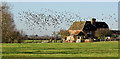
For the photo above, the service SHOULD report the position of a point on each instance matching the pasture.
(93, 49)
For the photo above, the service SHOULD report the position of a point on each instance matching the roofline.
(83, 26)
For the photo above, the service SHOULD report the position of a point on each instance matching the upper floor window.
(89, 32)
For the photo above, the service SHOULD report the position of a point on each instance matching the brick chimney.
(93, 21)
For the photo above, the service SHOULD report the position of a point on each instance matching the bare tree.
(0, 24)
(55, 36)
(63, 33)
(102, 32)
(9, 34)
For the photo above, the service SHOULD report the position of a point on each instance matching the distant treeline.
(42, 38)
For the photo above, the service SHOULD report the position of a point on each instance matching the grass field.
(94, 49)
(37, 41)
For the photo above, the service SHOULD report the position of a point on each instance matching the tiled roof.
(78, 25)
(101, 25)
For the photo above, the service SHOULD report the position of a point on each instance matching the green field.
(37, 41)
(94, 49)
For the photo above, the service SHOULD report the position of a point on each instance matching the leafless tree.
(102, 32)
(9, 33)
(63, 33)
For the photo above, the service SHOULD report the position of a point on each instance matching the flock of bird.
(110, 17)
(49, 18)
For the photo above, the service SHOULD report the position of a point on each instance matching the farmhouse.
(80, 29)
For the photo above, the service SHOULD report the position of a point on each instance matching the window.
(89, 32)
(78, 37)
(65, 38)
